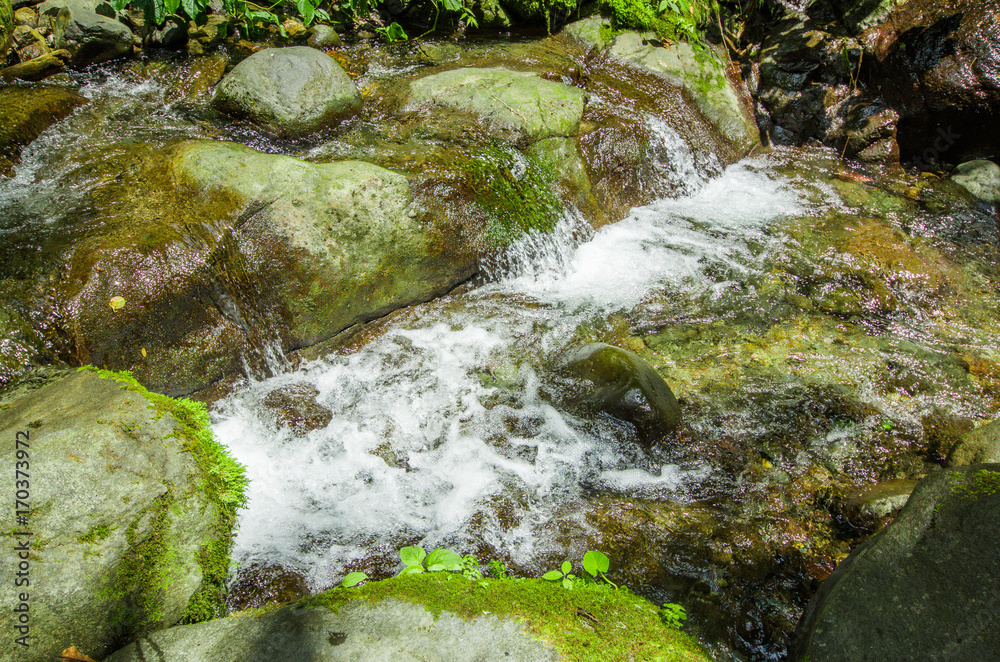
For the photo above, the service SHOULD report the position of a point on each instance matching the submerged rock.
(293, 91)
(620, 383)
(295, 406)
(925, 587)
(129, 528)
(538, 107)
(27, 111)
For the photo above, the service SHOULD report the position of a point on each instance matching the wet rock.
(196, 78)
(980, 178)
(937, 66)
(110, 564)
(26, 112)
(703, 78)
(271, 254)
(521, 100)
(89, 36)
(872, 507)
(389, 630)
(258, 585)
(619, 383)
(26, 16)
(323, 37)
(293, 91)
(28, 44)
(562, 156)
(39, 68)
(172, 34)
(925, 587)
(980, 445)
(295, 406)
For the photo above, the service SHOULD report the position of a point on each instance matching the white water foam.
(440, 434)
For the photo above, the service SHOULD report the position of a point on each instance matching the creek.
(825, 329)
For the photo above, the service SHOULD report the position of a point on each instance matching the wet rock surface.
(982, 445)
(925, 587)
(293, 91)
(26, 112)
(100, 572)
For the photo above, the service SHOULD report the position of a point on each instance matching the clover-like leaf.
(354, 578)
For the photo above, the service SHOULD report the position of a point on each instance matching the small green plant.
(393, 32)
(562, 574)
(498, 570)
(353, 579)
(673, 614)
(417, 560)
(470, 568)
(597, 564)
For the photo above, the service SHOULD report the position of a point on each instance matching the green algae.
(591, 622)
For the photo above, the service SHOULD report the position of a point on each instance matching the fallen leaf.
(143, 352)
(72, 653)
(117, 303)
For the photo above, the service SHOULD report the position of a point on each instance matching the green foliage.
(673, 615)
(596, 564)
(353, 579)
(497, 569)
(393, 32)
(470, 568)
(671, 20)
(417, 560)
(563, 574)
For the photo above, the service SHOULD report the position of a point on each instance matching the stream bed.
(826, 328)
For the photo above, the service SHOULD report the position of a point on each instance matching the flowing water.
(821, 334)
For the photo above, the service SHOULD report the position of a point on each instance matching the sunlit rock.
(980, 178)
(129, 526)
(27, 111)
(293, 91)
(980, 445)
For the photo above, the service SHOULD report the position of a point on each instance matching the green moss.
(146, 569)
(96, 534)
(559, 10)
(679, 20)
(515, 192)
(983, 483)
(624, 626)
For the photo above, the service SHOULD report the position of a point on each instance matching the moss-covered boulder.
(293, 91)
(88, 35)
(925, 587)
(440, 616)
(701, 73)
(980, 445)
(128, 507)
(236, 255)
(521, 100)
(27, 111)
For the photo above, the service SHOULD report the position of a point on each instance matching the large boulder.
(292, 91)
(128, 507)
(27, 111)
(86, 31)
(938, 65)
(702, 76)
(980, 178)
(521, 100)
(241, 255)
(924, 588)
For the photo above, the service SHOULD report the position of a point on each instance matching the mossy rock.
(438, 616)
(132, 507)
(27, 111)
(6, 27)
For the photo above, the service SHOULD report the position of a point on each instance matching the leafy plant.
(470, 568)
(353, 579)
(417, 560)
(597, 564)
(562, 574)
(498, 569)
(393, 32)
(673, 614)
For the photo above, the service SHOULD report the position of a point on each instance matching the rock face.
(253, 254)
(924, 588)
(623, 385)
(937, 65)
(123, 530)
(980, 445)
(6, 27)
(89, 36)
(538, 107)
(293, 91)
(390, 630)
(26, 112)
(980, 178)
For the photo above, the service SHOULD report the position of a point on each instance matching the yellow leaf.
(143, 352)
(117, 303)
